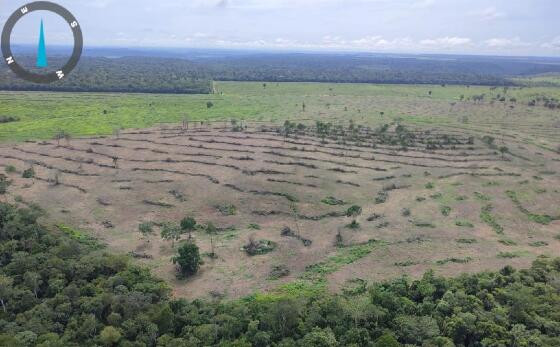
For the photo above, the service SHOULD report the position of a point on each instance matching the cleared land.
(435, 189)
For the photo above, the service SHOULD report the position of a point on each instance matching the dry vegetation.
(452, 196)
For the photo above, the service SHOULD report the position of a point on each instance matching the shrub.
(11, 169)
(260, 247)
(278, 271)
(445, 210)
(331, 200)
(430, 185)
(188, 260)
(28, 173)
(146, 229)
(467, 241)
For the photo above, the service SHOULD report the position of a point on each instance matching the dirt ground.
(432, 217)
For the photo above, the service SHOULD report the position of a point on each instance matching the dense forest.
(128, 74)
(64, 289)
(191, 71)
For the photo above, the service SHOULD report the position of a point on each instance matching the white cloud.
(446, 42)
(554, 44)
(505, 43)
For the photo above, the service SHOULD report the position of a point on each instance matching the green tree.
(386, 340)
(171, 232)
(319, 338)
(109, 336)
(188, 225)
(188, 259)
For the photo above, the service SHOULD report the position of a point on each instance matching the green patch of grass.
(345, 256)
(254, 226)
(79, 236)
(461, 198)
(429, 185)
(481, 196)
(464, 224)
(487, 217)
(420, 198)
(227, 209)
(537, 218)
(509, 255)
(557, 237)
(538, 244)
(507, 242)
(11, 169)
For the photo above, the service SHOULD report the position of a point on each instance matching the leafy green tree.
(386, 340)
(188, 259)
(188, 225)
(171, 232)
(109, 336)
(319, 338)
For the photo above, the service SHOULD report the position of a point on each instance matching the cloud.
(489, 13)
(554, 44)
(446, 42)
(504, 43)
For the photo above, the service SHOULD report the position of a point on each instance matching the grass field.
(436, 186)
(84, 114)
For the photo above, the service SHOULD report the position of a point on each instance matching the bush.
(11, 169)
(188, 260)
(28, 173)
(259, 247)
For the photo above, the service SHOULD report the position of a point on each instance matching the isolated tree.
(503, 150)
(353, 212)
(188, 225)
(303, 106)
(209, 104)
(188, 259)
(171, 232)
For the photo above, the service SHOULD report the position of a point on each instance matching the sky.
(497, 27)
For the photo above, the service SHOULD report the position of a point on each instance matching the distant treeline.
(194, 71)
(128, 74)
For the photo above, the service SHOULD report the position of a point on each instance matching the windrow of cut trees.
(58, 290)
